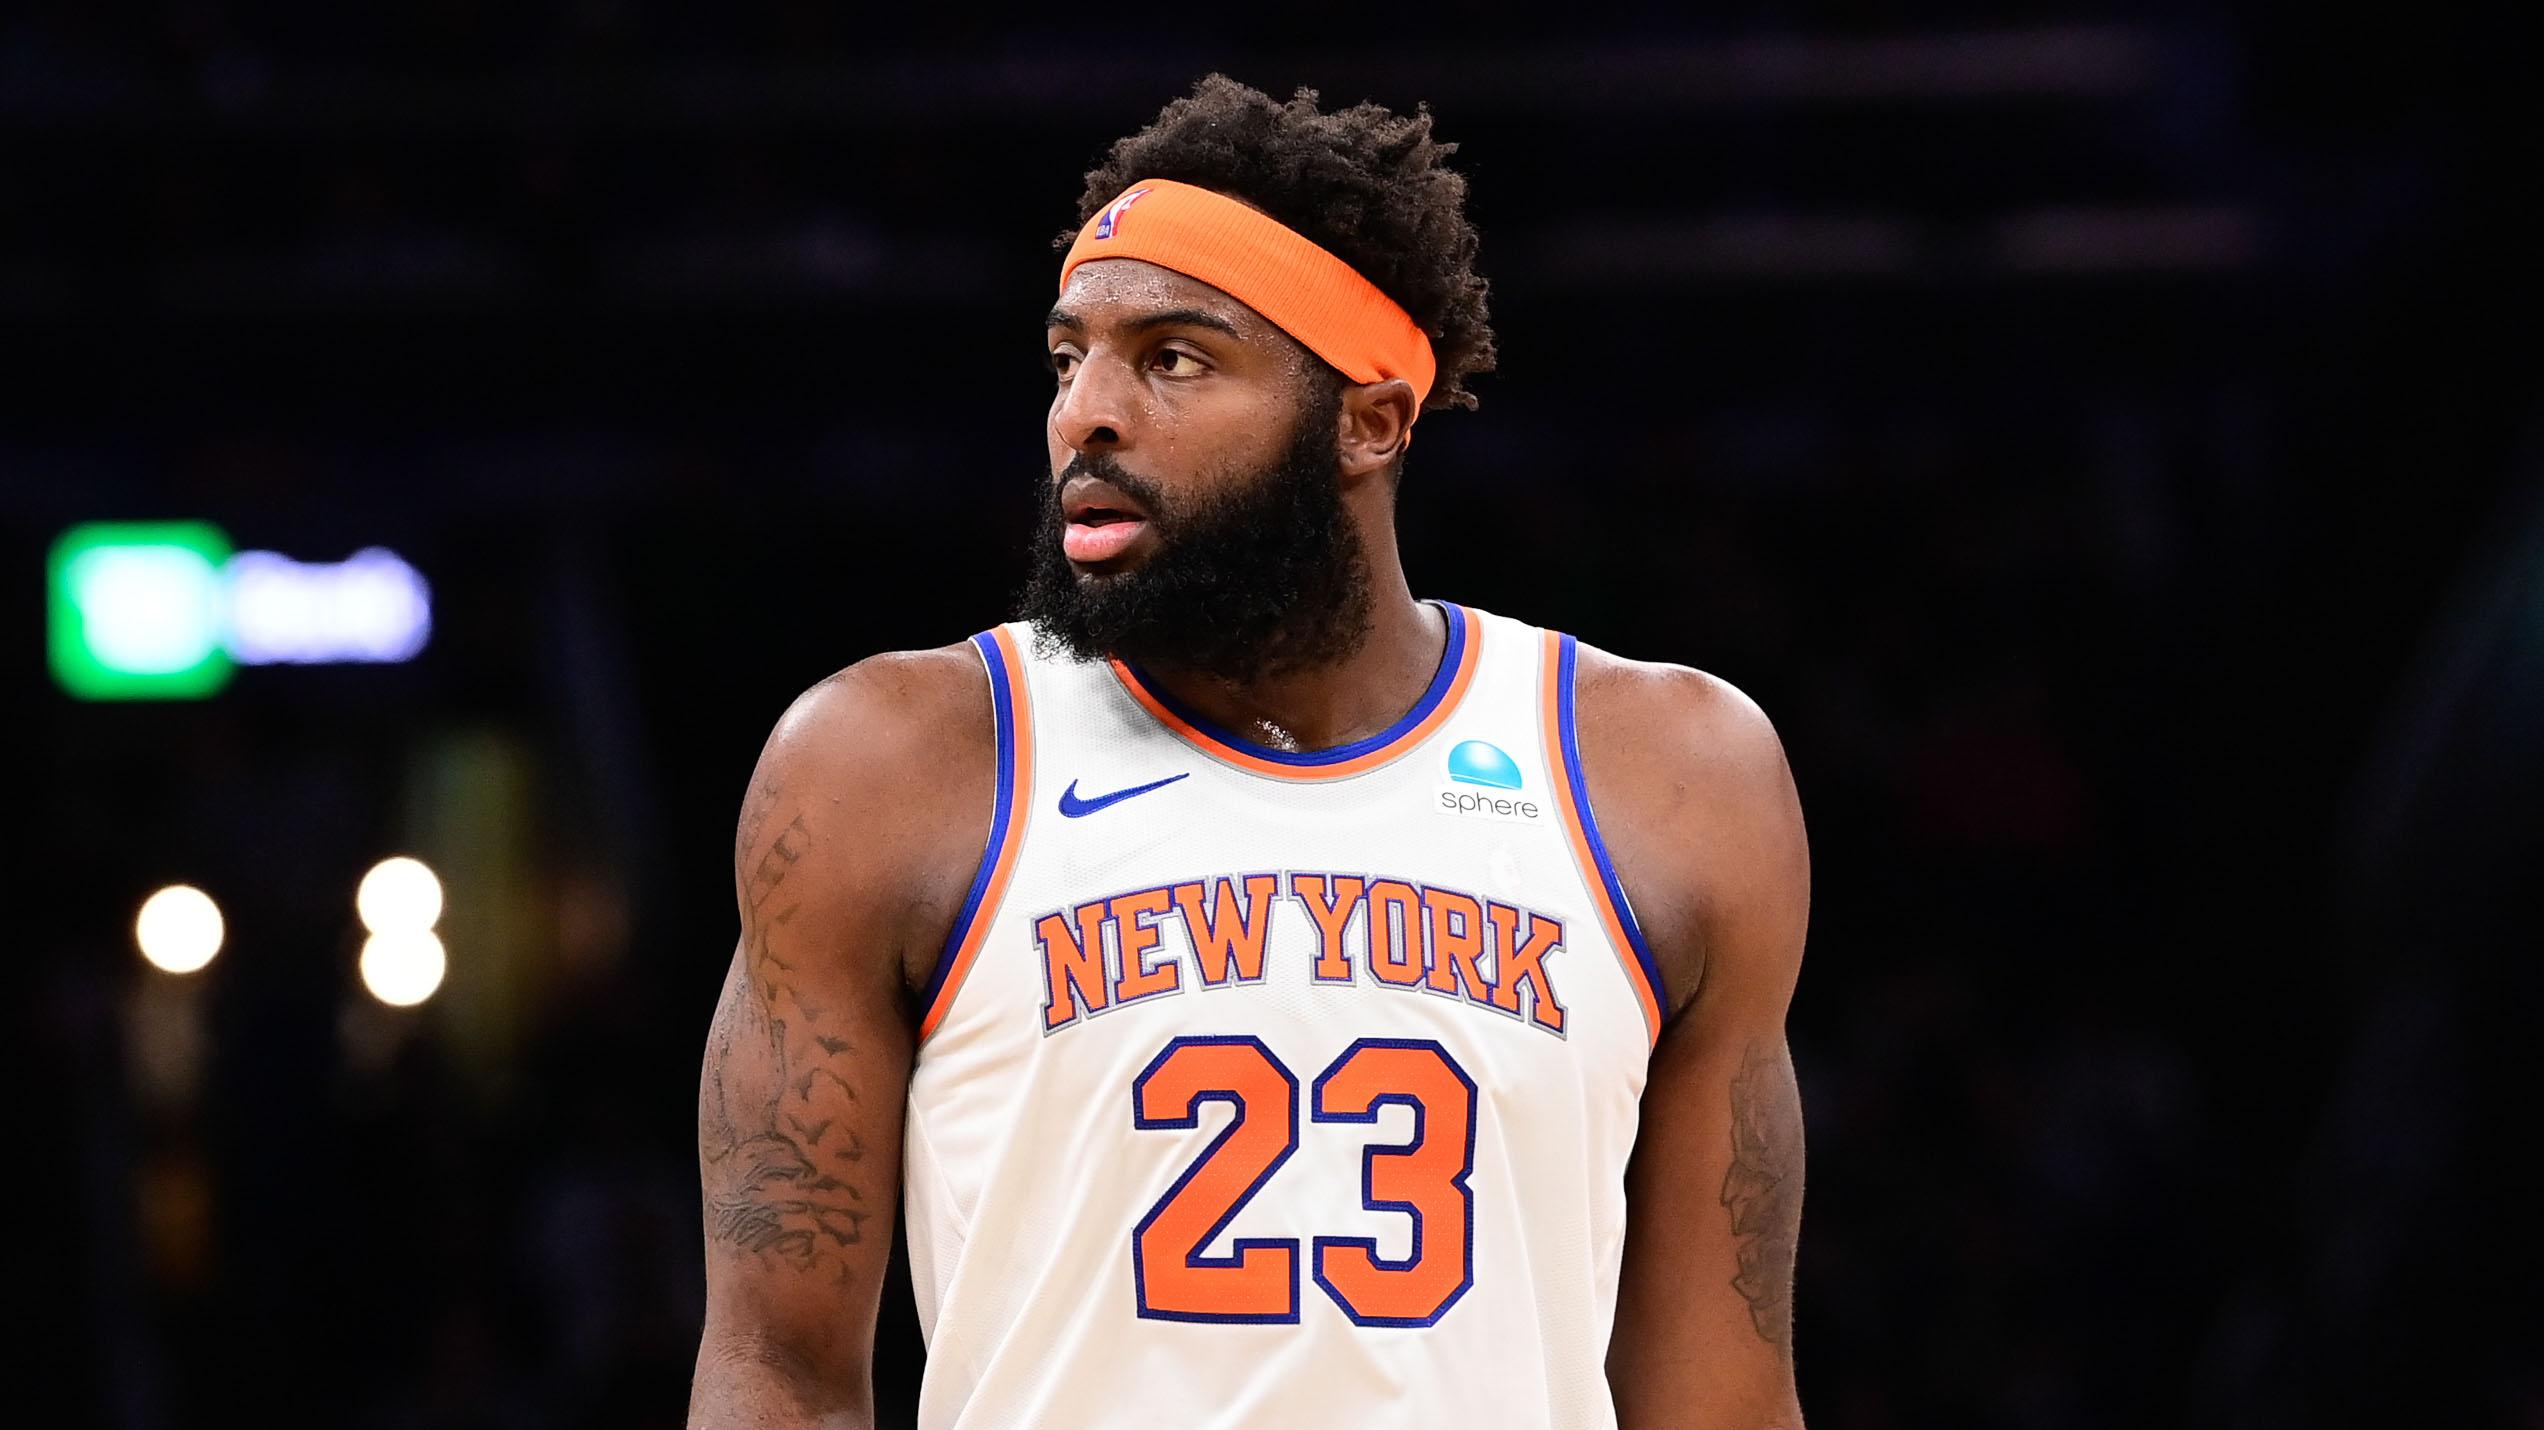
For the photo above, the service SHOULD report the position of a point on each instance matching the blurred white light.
(179, 929)
(371, 607)
(149, 608)
(403, 966)
(399, 895)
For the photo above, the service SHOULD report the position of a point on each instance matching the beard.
(1263, 577)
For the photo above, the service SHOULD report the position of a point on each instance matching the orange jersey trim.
(999, 862)
(1428, 714)
(1575, 804)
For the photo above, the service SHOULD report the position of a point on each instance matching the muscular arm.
(845, 862)
(1691, 786)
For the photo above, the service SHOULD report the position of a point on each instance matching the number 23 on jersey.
(1257, 1281)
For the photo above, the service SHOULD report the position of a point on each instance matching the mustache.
(1102, 467)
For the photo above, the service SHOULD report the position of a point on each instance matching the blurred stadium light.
(370, 607)
(178, 929)
(403, 967)
(399, 895)
(399, 901)
(164, 610)
(136, 610)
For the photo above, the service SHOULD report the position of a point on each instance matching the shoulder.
(872, 796)
(889, 708)
(899, 727)
(1696, 803)
(1675, 723)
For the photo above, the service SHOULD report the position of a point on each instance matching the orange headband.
(1298, 287)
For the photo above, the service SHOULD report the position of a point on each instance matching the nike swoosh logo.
(1072, 807)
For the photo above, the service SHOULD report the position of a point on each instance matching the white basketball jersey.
(1259, 1088)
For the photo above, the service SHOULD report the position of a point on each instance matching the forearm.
(796, 1166)
(753, 1381)
(1704, 1331)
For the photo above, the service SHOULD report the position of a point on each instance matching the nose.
(1091, 414)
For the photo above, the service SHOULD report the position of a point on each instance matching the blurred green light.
(136, 610)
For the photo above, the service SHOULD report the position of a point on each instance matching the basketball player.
(1278, 1001)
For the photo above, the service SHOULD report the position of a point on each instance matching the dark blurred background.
(2105, 439)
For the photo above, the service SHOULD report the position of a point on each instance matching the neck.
(1329, 705)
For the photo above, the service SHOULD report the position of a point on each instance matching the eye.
(1176, 362)
(1062, 362)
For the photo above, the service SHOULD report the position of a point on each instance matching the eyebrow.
(1169, 318)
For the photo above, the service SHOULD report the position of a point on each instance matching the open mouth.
(1102, 520)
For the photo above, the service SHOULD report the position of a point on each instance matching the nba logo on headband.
(1113, 212)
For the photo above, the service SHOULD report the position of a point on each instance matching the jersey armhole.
(1012, 715)
(1581, 828)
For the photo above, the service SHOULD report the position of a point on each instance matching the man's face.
(1193, 515)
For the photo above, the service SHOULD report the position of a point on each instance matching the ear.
(1377, 426)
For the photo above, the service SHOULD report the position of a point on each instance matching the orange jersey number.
(1256, 1282)
(1424, 1178)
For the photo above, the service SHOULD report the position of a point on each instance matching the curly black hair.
(1365, 184)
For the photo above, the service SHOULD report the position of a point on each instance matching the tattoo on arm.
(775, 1166)
(775, 864)
(1763, 1189)
(757, 806)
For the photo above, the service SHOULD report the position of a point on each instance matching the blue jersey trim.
(1002, 702)
(1590, 825)
(1441, 681)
